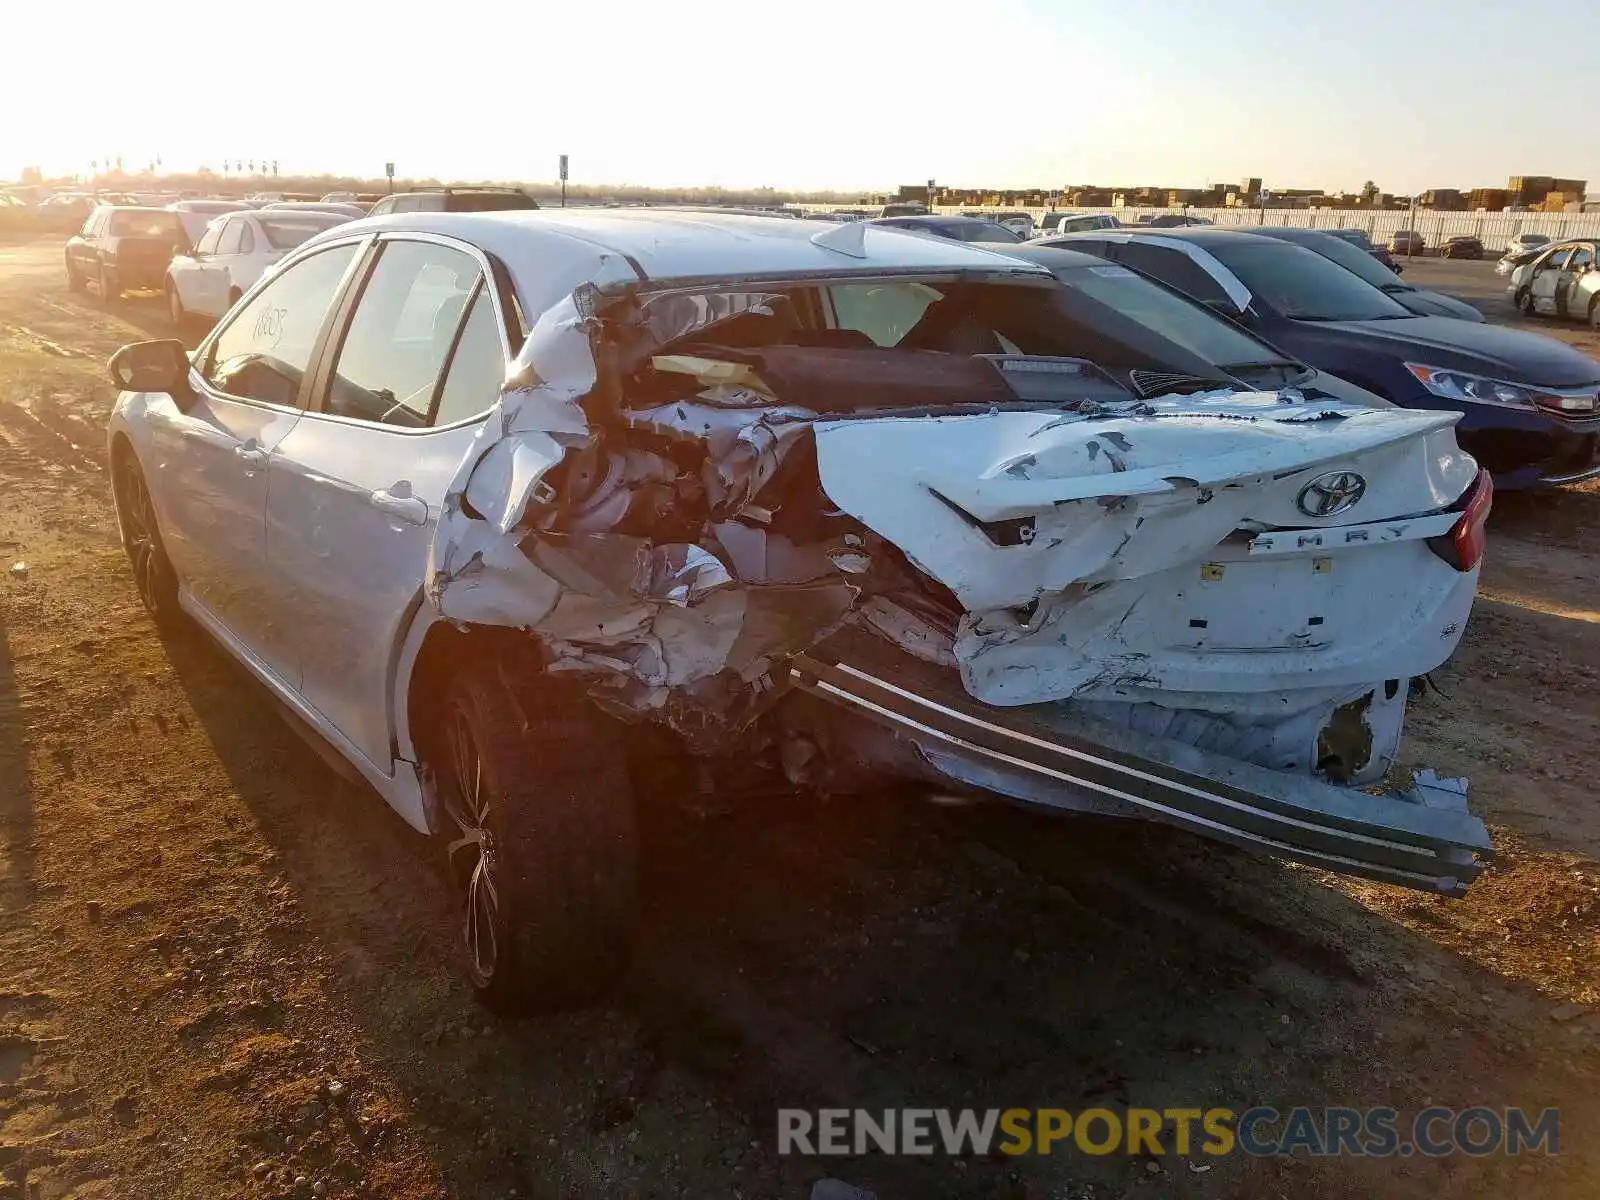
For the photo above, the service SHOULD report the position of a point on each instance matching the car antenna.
(847, 237)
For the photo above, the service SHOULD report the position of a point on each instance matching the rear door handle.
(411, 509)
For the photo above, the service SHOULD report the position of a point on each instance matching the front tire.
(153, 576)
(75, 282)
(175, 309)
(541, 840)
(110, 291)
(1525, 303)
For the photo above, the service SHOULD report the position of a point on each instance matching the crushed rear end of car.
(998, 572)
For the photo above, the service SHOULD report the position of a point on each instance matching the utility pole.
(563, 181)
(930, 195)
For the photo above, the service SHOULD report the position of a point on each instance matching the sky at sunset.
(710, 92)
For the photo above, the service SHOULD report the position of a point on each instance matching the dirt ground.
(201, 928)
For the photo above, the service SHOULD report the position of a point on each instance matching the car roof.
(664, 244)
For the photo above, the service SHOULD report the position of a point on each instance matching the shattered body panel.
(675, 529)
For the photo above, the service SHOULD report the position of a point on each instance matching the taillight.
(1463, 546)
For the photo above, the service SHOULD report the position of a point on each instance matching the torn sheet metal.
(674, 533)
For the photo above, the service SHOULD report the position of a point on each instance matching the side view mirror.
(157, 366)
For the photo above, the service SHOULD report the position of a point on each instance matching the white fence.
(1492, 228)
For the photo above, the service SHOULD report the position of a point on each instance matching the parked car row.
(204, 253)
(844, 501)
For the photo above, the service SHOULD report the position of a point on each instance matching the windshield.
(1355, 260)
(285, 233)
(1302, 285)
(145, 224)
(1193, 326)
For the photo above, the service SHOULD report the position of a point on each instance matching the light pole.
(930, 195)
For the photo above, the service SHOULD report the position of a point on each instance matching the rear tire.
(540, 836)
(75, 282)
(1594, 313)
(110, 292)
(175, 309)
(233, 296)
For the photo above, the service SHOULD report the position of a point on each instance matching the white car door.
(250, 259)
(1549, 275)
(208, 464)
(1568, 296)
(221, 290)
(188, 270)
(357, 486)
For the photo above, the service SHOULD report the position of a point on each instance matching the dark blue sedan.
(1531, 403)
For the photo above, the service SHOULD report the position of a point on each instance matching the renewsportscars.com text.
(1260, 1131)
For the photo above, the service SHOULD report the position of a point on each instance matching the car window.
(885, 312)
(1582, 257)
(210, 238)
(477, 366)
(160, 224)
(393, 355)
(382, 206)
(1301, 284)
(1556, 260)
(231, 235)
(987, 231)
(286, 232)
(1152, 306)
(1353, 259)
(1172, 267)
(489, 202)
(247, 239)
(1094, 246)
(265, 346)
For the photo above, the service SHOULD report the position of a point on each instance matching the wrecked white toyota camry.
(491, 501)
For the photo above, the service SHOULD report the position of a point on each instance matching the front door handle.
(252, 455)
(408, 508)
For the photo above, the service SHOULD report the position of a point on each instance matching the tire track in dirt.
(37, 434)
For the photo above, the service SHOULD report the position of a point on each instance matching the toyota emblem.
(1331, 494)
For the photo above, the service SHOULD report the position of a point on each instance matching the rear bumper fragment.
(1423, 839)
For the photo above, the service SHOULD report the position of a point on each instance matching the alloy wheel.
(467, 801)
(139, 535)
